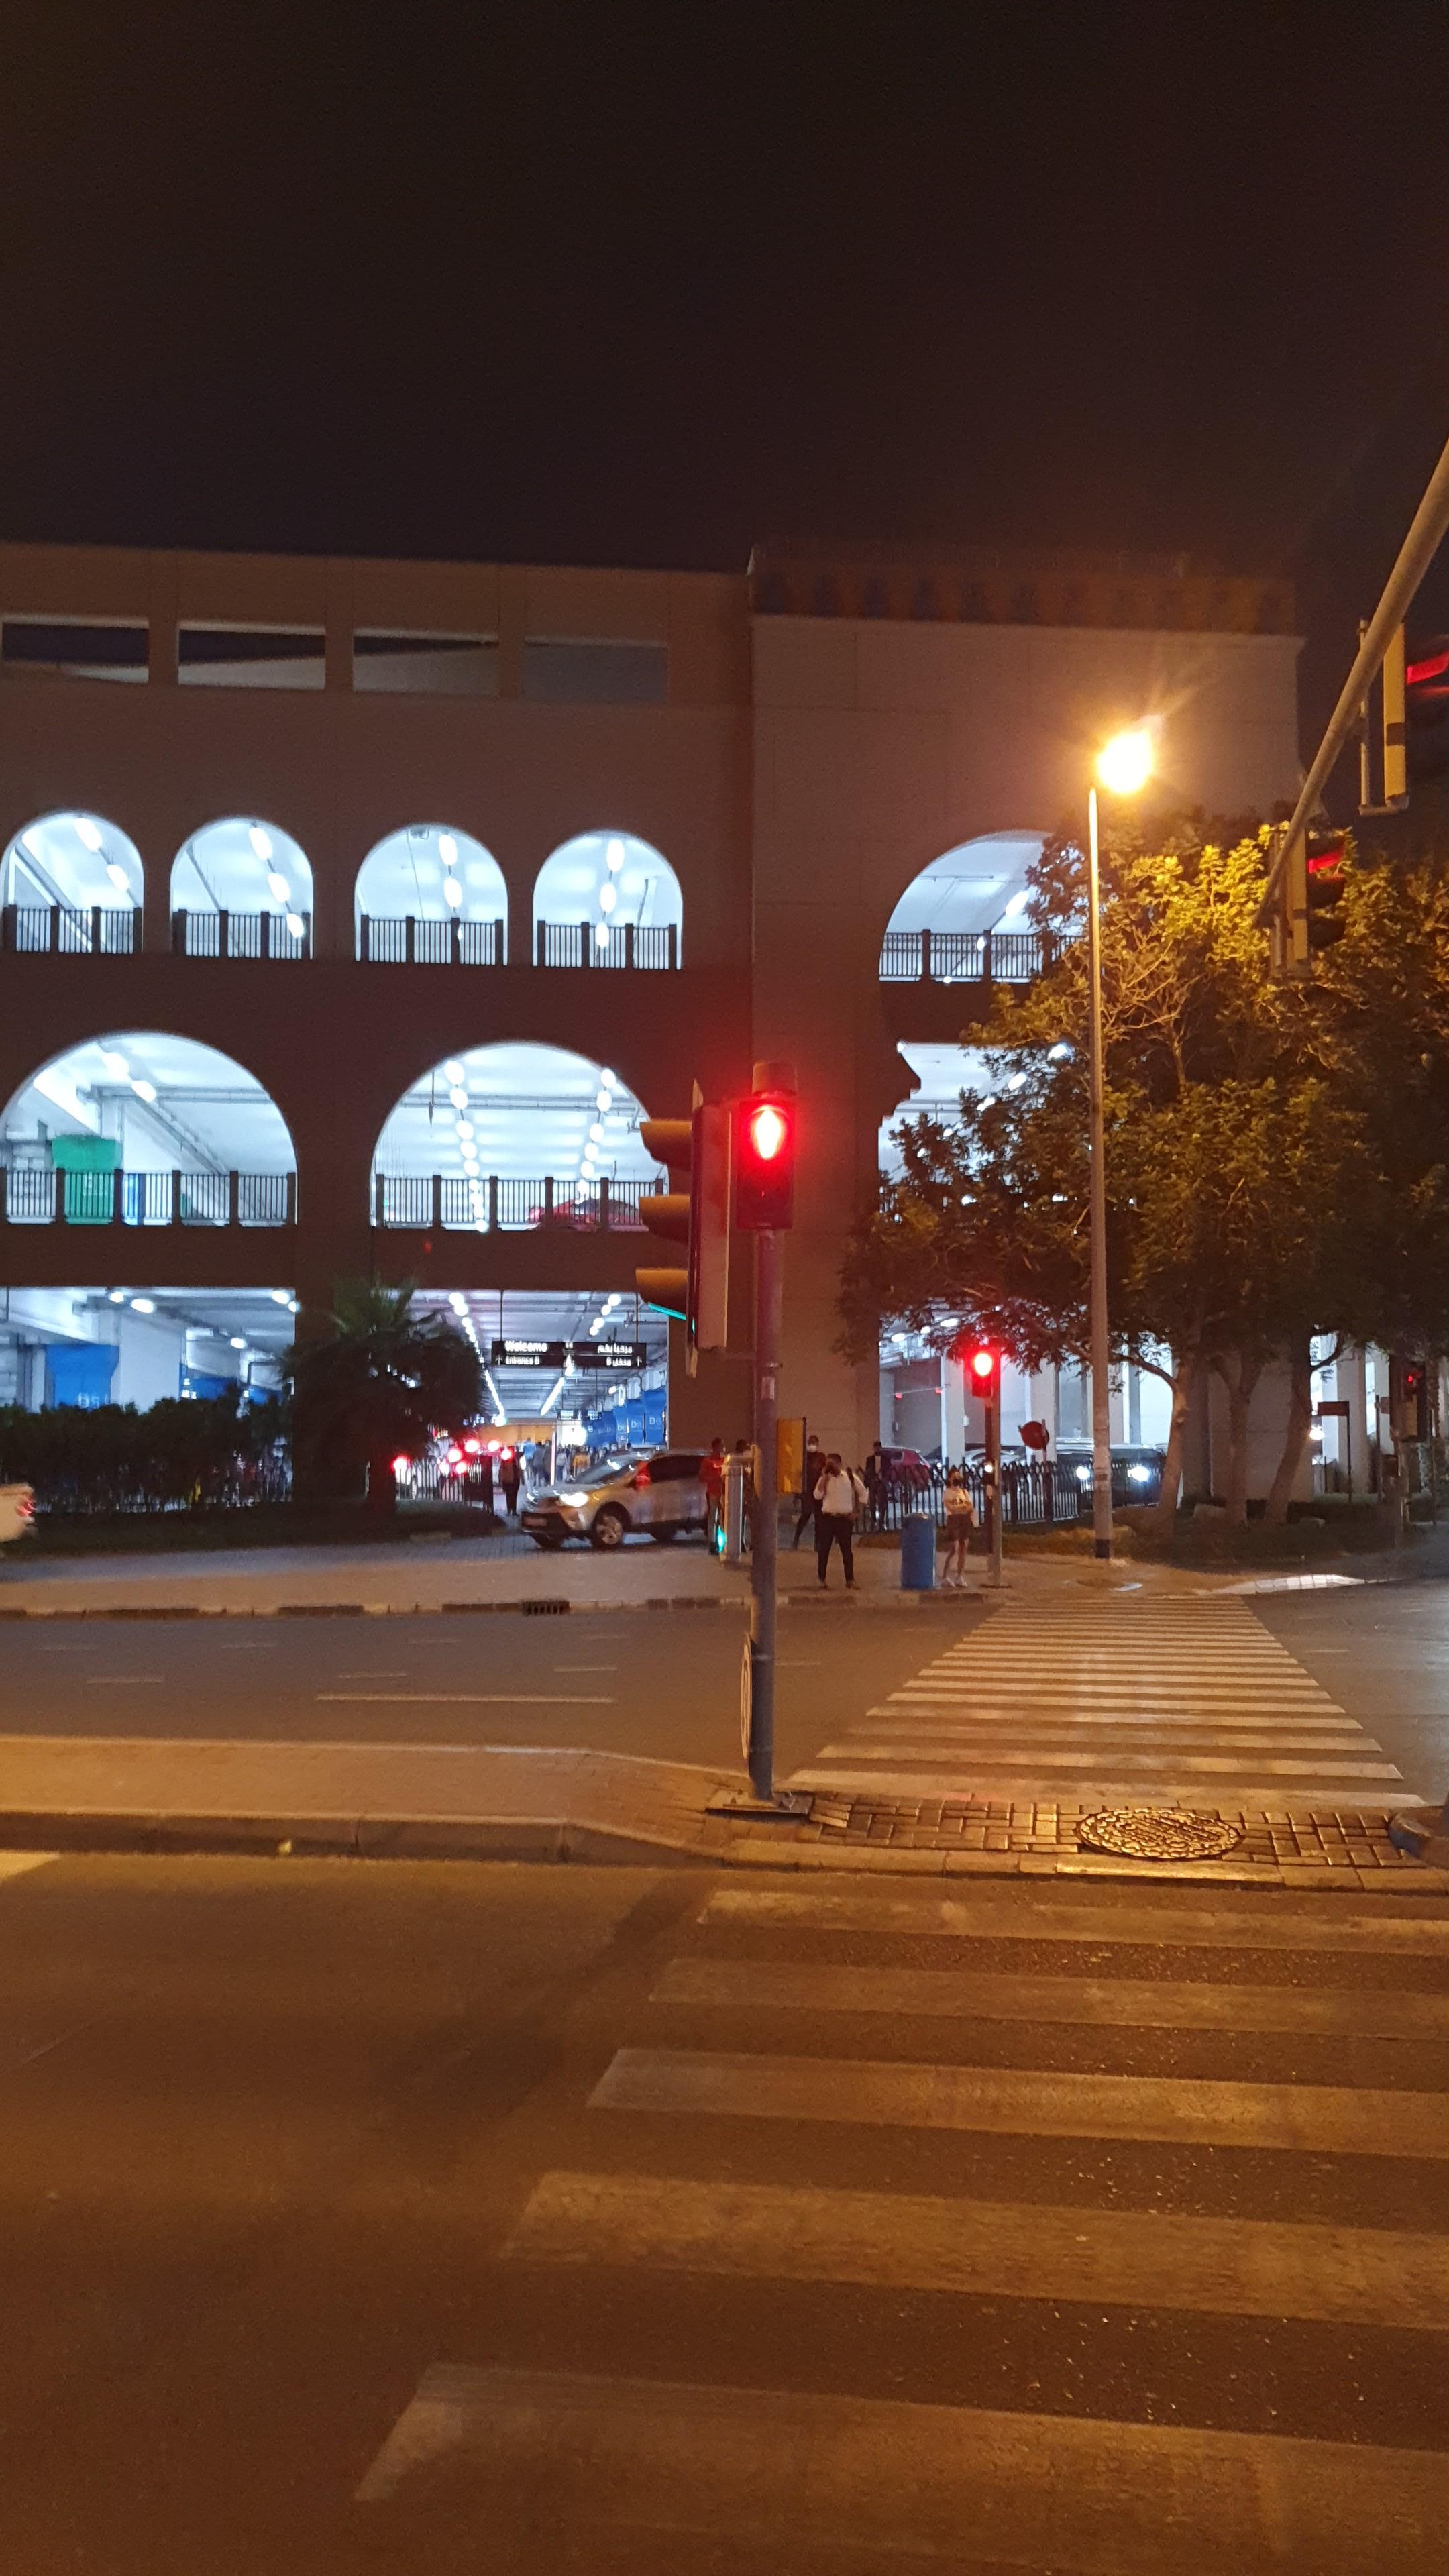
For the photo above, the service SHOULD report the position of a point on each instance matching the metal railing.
(1035, 1494)
(32, 1194)
(442, 1202)
(964, 956)
(70, 930)
(239, 934)
(412, 942)
(577, 943)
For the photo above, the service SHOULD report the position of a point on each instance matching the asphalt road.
(661, 1683)
(450, 2218)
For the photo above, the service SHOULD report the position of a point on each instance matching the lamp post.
(1124, 765)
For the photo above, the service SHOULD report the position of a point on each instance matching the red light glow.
(472, 1448)
(983, 1363)
(401, 1465)
(1433, 667)
(769, 1132)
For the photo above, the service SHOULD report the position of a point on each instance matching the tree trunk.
(1183, 1382)
(1295, 1440)
(1240, 1376)
(381, 1482)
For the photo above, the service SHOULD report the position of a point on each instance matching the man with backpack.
(839, 1495)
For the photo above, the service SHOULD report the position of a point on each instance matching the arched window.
(607, 899)
(431, 895)
(511, 1136)
(141, 1128)
(940, 928)
(241, 888)
(71, 883)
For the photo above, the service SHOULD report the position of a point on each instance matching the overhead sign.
(526, 1354)
(625, 1358)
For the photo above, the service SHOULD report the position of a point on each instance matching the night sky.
(623, 285)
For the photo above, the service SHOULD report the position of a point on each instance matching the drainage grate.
(1157, 1833)
(543, 1609)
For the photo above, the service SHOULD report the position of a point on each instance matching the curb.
(1423, 1833)
(536, 1607)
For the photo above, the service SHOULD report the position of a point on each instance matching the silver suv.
(661, 1495)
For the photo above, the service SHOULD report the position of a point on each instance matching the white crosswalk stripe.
(1098, 1698)
(854, 2475)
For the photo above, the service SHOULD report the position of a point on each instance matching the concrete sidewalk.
(434, 1574)
(495, 1802)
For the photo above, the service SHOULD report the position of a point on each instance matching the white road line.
(1112, 2003)
(993, 1720)
(1351, 2276)
(986, 1779)
(1176, 1757)
(1280, 1923)
(114, 1681)
(761, 2469)
(1301, 2119)
(15, 1864)
(461, 1699)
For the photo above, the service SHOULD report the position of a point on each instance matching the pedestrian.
(839, 1496)
(510, 1476)
(484, 1485)
(877, 1485)
(810, 1475)
(960, 1522)
(711, 1476)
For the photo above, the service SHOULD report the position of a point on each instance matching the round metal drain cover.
(1157, 1833)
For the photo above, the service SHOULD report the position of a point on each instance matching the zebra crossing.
(1128, 1698)
(1025, 2263)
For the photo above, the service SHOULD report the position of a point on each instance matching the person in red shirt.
(711, 1476)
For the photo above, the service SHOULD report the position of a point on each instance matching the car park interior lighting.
(261, 841)
(608, 897)
(86, 832)
(143, 1090)
(601, 935)
(277, 886)
(458, 1096)
(453, 1069)
(295, 924)
(115, 1064)
(118, 876)
(144, 1305)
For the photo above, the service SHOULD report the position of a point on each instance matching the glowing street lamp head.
(1125, 763)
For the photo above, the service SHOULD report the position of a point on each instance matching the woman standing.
(960, 1522)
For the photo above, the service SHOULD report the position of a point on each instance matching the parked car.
(17, 1512)
(660, 1495)
(907, 1469)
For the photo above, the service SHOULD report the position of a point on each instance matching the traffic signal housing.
(982, 1364)
(764, 1161)
(697, 1150)
(1312, 881)
(1408, 1399)
(1426, 708)
(1383, 740)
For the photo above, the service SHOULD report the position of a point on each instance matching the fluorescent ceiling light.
(238, 1341)
(277, 886)
(86, 832)
(295, 924)
(601, 935)
(447, 848)
(144, 1090)
(261, 841)
(118, 876)
(144, 1305)
(453, 1069)
(608, 897)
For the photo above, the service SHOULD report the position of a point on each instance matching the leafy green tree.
(379, 1382)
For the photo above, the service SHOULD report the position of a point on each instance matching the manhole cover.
(1157, 1833)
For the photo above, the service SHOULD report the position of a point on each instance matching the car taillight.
(26, 1507)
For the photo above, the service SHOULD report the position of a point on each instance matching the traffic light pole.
(993, 1484)
(769, 1332)
(1101, 1343)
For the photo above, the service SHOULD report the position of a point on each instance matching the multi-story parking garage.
(355, 912)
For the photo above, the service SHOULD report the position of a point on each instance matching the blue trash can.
(918, 1553)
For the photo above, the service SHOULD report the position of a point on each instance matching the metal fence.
(1034, 1493)
(70, 930)
(32, 1194)
(433, 1202)
(578, 943)
(963, 956)
(240, 934)
(412, 942)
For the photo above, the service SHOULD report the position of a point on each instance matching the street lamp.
(1123, 766)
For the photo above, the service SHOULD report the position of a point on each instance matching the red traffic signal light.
(764, 1162)
(982, 1361)
(1325, 869)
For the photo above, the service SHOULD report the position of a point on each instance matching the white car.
(17, 1512)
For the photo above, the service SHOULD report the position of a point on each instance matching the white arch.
(72, 858)
(241, 864)
(608, 880)
(979, 885)
(167, 1104)
(431, 872)
(520, 1113)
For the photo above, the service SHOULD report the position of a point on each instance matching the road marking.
(778, 2471)
(1115, 2003)
(1327, 1787)
(111, 1681)
(15, 1864)
(460, 1699)
(1180, 1757)
(990, 1719)
(368, 1674)
(586, 1668)
(1278, 1922)
(1354, 2276)
(1309, 2119)
(87, 1646)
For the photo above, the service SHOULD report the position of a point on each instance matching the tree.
(1242, 1187)
(381, 1382)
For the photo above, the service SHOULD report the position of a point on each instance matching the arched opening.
(607, 899)
(960, 921)
(513, 1136)
(241, 888)
(431, 896)
(142, 1128)
(71, 883)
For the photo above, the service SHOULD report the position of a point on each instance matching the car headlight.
(573, 1502)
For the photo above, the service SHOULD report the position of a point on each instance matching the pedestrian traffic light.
(983, 1371)
(696, 1148)
(1382, 756)
(1408, 1399)
(764, 1161)
(1426, 708)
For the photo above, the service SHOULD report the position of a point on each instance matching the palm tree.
(381, 1382)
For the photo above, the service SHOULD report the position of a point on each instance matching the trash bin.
(918, 1553)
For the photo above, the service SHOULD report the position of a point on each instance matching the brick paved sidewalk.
(1277, 1839)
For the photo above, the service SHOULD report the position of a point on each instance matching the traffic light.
(1383, 775)
(696, 1148)
(1408, 1399)
(1325, 868)
(982, 1361)
(764, 1162)
(1426, 707)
